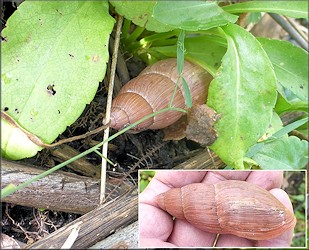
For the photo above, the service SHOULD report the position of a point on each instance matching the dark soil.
(28, 225)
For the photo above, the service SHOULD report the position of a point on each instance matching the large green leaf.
(284, 153)
(192, 15)
(297, 9)
(290, 64)
(140, 13)
(244, 93)
(53, 58)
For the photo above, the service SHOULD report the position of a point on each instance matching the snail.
(229, 207)
(152, 91)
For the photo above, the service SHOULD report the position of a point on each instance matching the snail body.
(152, 91)
(229, 207)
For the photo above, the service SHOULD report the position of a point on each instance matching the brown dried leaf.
(201, 120)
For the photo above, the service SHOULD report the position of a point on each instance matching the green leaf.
(180, 63)
(244, 93)
(192, 15)
(300, 197)
(275, 125)
(288, 128)
(142, 185)
(15, 144)
(284, 153)
(254, 18)
(187, 93)
(293, 104)
(140, 13)
(52, 62)
(291, 66)
(297, 9)
(180, 51)
(203, 50)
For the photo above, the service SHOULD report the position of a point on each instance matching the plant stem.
(109, 107)
(125, 29)
(146, 41)
(180, 62)
(289, 28)
(134, 35)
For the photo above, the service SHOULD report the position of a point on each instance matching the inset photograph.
(222, 208)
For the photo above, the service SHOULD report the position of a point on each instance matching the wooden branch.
(124, 238)
(122, 70)
(203, 160)
(60, 191)
(81, 165)
(95, 225)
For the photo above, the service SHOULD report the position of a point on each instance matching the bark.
(124, 238)
(203, 160)
(59, 191)
(81, 165)
(95, 225)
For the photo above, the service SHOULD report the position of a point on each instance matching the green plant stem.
(180, 62)
(174, 92)
(134, 35)
(126, 29)
(148, 40)
(159, 37)
(5, 192)
(44, 174)
(101, 155)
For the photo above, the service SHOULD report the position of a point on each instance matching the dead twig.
(108, 108)
(291, 30)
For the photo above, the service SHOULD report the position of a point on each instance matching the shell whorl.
(124, 111)
(152, 90)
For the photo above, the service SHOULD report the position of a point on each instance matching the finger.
(165, 180)
(285, 239)
(186, 235)
(153, 243)
(154, 223)
(213, 177)
(150, 214)
(229, 240)
(175, 179)
(266, 179)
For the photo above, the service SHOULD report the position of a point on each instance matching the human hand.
(157, 229)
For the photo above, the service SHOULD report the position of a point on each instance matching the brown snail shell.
(229, 207)
(152, 91)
